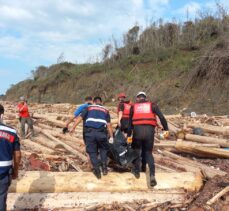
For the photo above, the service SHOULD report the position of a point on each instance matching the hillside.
(179, 66)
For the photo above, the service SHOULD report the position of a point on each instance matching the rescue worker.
(97, 126)
(78, 111)
(24, 117)
(123, 112)
(143, 122)
(10, 157)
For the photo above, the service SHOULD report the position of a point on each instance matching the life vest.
(96, 117)
(126, 111)
(143, 114)
(7, 139)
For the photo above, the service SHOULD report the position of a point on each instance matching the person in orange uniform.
(143, 122)
(24, 117)
(123, 112)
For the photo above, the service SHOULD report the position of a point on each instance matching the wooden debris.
(48, 182)
(201, 151)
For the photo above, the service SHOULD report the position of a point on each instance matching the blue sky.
(34, 33)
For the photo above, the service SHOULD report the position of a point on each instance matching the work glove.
(65, 130)
(164, 135)
(129, 140)
(111, 140)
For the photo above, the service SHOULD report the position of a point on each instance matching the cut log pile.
(56, 174)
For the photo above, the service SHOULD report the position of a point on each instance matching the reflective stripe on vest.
(126, 111)
(96, 120)
(143, 114)
(6, 163)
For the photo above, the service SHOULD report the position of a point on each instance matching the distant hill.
(180, 66)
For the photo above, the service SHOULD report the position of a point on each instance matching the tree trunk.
(56, 182)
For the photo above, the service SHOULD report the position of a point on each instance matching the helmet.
(22, 98)
(141, 93)
(121, 95)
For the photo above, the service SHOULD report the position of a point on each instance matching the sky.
(34, 33)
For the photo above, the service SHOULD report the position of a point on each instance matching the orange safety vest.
(126, 111)
(143, 114)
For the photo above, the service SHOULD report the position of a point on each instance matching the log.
(66, 146)
(205, 139)
(48, 143)
(199, 151)
(172, 144)
(55, 182)
(47, 156)
(211, 129)
(207, 170)
(32, 145)
(176, 165)
(80, 200)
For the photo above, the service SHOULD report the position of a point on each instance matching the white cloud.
(191, 9)
(44, 29)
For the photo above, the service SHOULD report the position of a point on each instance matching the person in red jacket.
(143, 122)
(123, 112)
(24, 117)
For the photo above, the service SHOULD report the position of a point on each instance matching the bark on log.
(49, 182)
(205, 139)
(199, 151)
(207, 170)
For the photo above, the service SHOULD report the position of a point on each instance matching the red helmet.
(121, 95)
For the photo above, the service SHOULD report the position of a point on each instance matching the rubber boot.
(153, 181)
(104, 169)
(97, 173)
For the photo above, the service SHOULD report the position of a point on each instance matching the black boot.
(136, 174)
(104, 169)
(97, 173)
(153, 181)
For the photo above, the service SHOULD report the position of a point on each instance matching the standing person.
(143, 122)
(97, 126)
(24, 117)
(10, 157)
(78, 111)
(123, 112)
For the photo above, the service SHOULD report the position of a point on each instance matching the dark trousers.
(29, 121)
(124, 124)
(4, 185)
(143, 141)
(96, 146)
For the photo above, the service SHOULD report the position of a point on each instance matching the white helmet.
(141, 93)
(22, 98)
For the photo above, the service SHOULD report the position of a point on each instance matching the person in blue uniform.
(88, 101)
(97, 126)
(10, 157)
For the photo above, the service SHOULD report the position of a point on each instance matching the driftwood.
(200, 151)
(207, 171)
(206, 139)
(33, 145)
(80, 200)
(66, 146)
(50, 182)
(211, 129)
